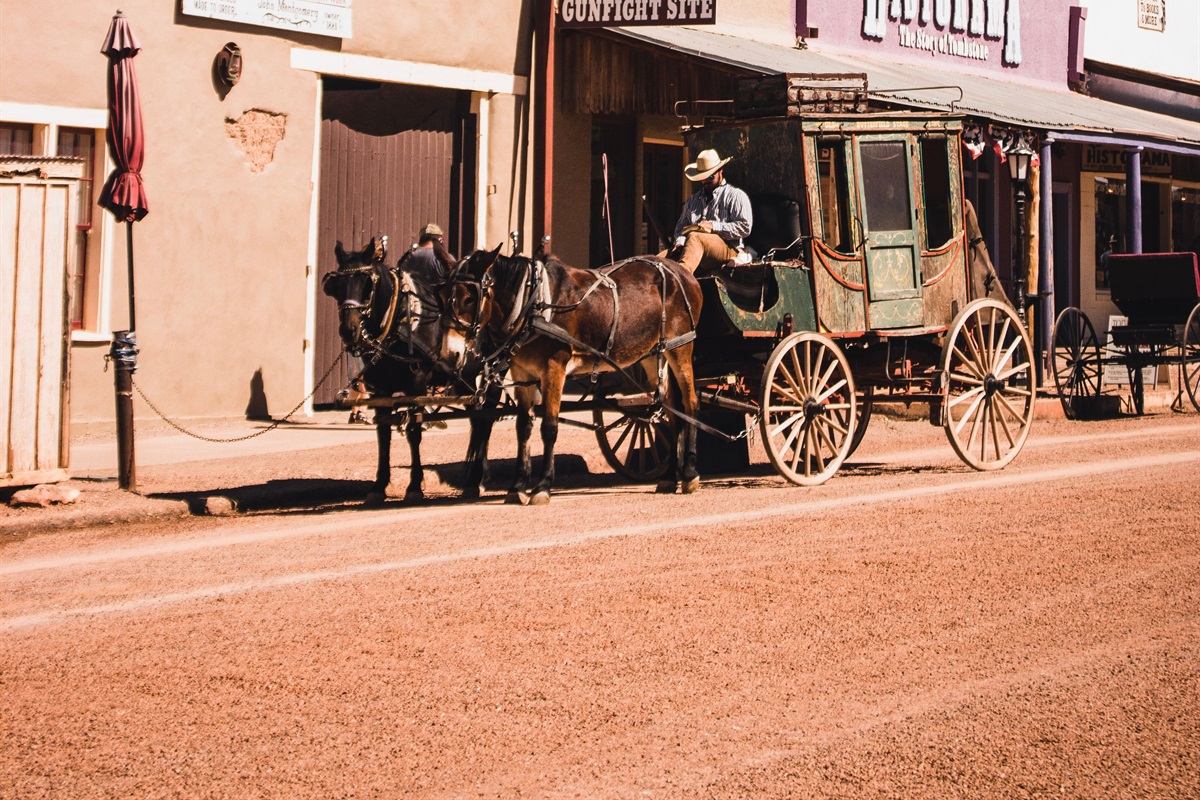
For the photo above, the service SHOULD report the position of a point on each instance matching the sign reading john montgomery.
(612, 13)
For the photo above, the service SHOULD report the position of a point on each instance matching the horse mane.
(508, 272)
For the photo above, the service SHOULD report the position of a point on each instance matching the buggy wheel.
(1076, 363)
(864, 403)
(987, 366)
(807, 401)
(635, 445)
(1191, 357)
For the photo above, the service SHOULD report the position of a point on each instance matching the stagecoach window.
(835, 195)
(935, 189)
(885, 185)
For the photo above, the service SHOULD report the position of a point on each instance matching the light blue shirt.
(727, 207)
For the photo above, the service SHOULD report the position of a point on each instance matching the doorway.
(393, 157)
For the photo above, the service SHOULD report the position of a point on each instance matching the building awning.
(1059, 113)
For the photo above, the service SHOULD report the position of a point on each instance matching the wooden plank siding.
(601, 75)
(36, 219)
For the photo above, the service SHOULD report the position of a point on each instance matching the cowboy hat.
(705, 164)
(432, 229)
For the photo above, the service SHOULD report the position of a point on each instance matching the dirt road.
(911, 629)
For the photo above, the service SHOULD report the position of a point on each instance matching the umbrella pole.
(124, 357)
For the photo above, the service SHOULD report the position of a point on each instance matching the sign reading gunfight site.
(319, 17)
(612, 13)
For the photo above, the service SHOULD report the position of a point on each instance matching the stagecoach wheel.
(635, 445)
(864, 402)
(987, 366)
(1191, 357)
(1076, 362)
(808, 408)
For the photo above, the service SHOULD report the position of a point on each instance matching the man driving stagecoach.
(715, 220)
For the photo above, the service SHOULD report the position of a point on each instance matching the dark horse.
(392, 319)
(546, 320)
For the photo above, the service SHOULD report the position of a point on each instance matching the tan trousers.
(706, 250)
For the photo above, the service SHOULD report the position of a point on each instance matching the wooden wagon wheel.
(808, 408)
(635, 445)
(864, 403)
(987, 364)
(1076, 362)
(1191, 357)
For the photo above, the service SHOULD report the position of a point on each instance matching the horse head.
(363, 288)
(464, 297)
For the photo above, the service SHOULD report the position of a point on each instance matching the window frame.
(47, 121)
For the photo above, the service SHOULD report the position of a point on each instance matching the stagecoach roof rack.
(688, 111)
(885, 94)
(794, 94)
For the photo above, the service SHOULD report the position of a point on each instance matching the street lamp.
(1019, 157)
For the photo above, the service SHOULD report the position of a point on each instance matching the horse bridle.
(380, 345)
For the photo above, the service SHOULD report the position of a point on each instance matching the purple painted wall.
(1030, 45)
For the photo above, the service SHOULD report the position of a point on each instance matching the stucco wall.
(223, 299)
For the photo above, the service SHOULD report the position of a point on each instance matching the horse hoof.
(375, 499)
(414, 496)
(541, 498)
(665, 487)
(472, 493)
(516, 498)
(691, 485)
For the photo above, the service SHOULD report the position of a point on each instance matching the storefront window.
(16, 140)
(1110, 216)
(1185, 219)
(80, 143)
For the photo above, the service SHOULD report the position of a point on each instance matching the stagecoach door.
(890, 240)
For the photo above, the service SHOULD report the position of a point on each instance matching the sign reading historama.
(320, 17)
(605, 13)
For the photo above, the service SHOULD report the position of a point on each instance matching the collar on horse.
(381, 345)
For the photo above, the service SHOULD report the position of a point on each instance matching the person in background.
(715, 219)
(429, 257)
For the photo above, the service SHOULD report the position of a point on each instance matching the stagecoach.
(860, 292)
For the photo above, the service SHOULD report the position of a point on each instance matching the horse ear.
(338, 251)
(368, 252)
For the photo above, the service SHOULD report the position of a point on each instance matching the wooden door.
(393, 158)
(37, 220)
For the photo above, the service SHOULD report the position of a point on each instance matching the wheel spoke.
(952, 402)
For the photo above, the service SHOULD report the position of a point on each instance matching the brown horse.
(547, 320)
(392, 319)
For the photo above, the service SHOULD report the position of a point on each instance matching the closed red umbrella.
(125, 196)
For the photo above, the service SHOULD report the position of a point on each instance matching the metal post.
(542, 137)
(1133, 197)
(1045, 258)
(124, 358)
(1019, 276)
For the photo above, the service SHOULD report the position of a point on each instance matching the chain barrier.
(269, 428)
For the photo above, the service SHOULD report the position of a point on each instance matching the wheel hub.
(991, 384)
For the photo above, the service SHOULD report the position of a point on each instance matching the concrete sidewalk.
(94, 455)
(101, 501)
